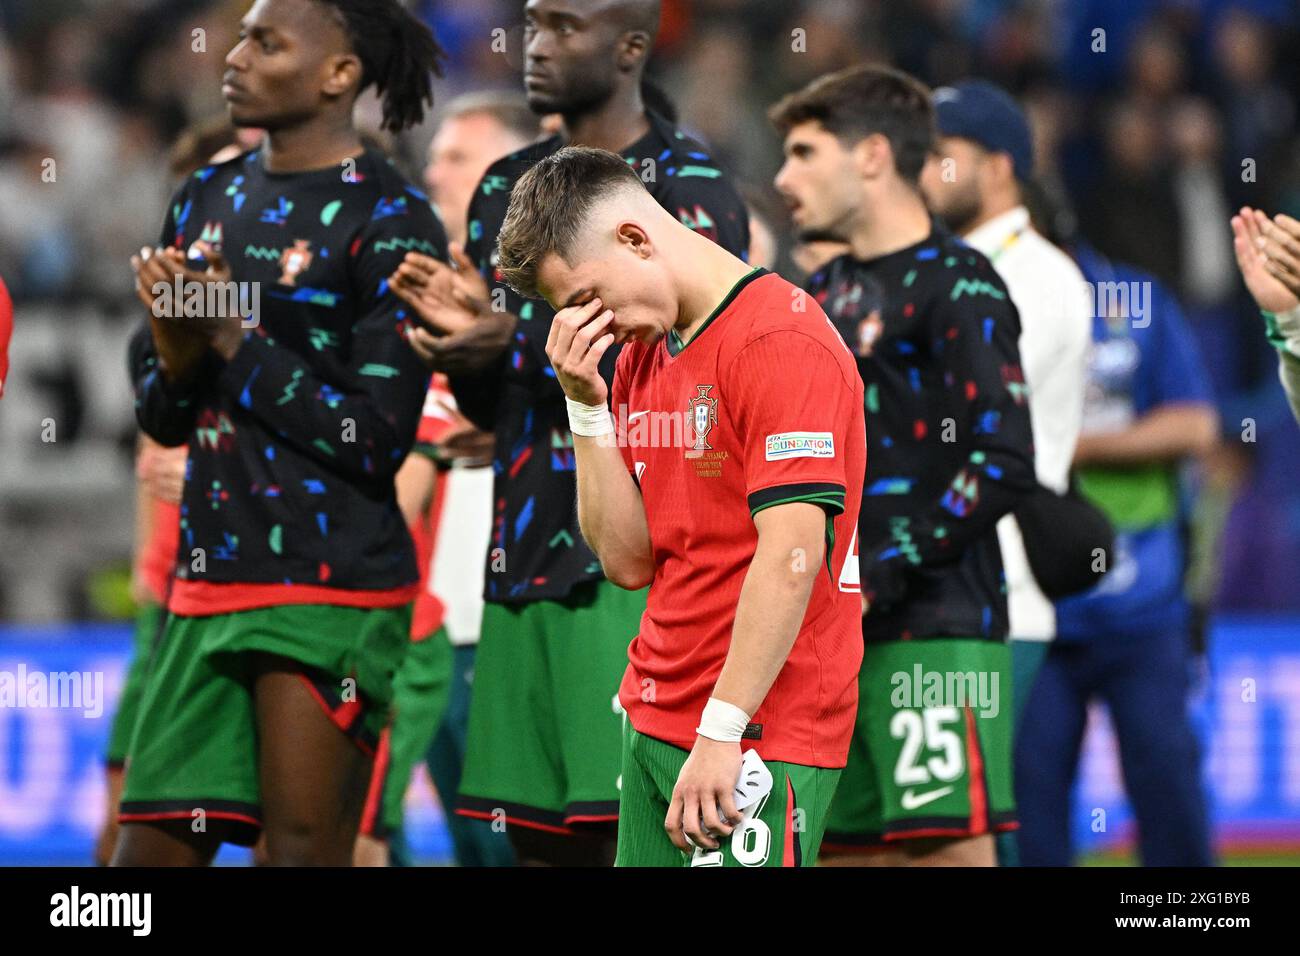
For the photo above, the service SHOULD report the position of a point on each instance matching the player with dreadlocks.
(289, 612)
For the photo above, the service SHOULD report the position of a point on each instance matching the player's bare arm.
(773, 602)
(610, 511)
(416, 482)
(161, 470)
(1169, 432)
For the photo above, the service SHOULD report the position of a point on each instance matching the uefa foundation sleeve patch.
(800, 445)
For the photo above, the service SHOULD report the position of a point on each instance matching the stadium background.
(1188, 111)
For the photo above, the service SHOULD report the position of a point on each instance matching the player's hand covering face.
(621, 268)
(579, 336)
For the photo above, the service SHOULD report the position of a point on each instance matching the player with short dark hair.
(730, 486)
(544, 723)
(949, 452)
(291, 603)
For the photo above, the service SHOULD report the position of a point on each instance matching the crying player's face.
(618, 267)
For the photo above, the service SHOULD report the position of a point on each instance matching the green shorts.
(931, 750)
(148, 621)
(420, 694)
(195, 743)
(544, 721)
(783, 829)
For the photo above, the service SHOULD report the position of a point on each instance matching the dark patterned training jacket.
(536, 550)
(949, 446)
(295, 442)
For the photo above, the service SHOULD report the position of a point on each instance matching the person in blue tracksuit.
(1127, 642)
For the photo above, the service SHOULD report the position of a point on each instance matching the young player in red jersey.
(731, 487)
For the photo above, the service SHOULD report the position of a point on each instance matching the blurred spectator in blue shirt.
(1127, 642)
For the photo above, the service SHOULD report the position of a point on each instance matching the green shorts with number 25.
(931, 750)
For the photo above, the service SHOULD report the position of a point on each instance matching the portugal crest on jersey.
(869, 330)
(703, 412)
(294, 260)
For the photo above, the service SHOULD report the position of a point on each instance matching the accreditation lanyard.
(1007, 243)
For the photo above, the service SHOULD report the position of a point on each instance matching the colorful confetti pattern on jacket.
(949, 446)
(295, 442)
(536, 550)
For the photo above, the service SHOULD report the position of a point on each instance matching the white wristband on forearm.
(589, 421)
(722, 722)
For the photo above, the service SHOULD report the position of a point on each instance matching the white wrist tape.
(589, 421)
(722, 722)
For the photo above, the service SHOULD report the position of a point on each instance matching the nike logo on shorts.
(912, 800)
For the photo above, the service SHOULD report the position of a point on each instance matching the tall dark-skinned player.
(545, 724)
(295, 574)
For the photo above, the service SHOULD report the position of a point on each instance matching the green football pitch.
(1288, 857)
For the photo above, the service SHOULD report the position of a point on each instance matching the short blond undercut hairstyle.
(549, 205)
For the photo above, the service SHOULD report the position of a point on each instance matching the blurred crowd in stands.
(1154, 120)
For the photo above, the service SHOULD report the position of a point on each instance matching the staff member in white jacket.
(974, 182)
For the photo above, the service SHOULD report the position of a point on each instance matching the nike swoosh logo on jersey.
(635, 415)
(912, 800)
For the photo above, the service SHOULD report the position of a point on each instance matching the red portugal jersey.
(435, 422)
(762, 407)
